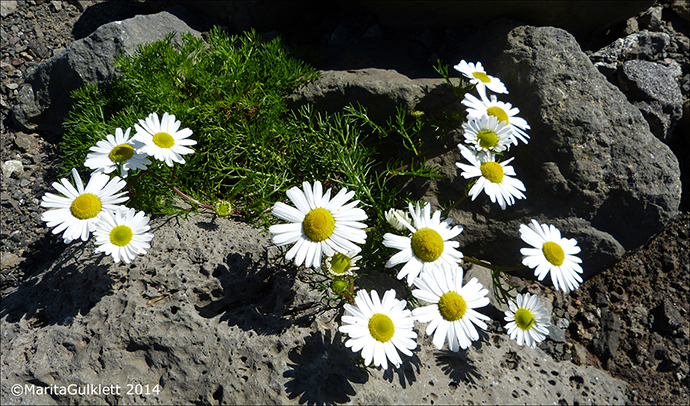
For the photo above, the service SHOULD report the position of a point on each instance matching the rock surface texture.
(213, 315)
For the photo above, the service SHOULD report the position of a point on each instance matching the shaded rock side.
(212, 314)
(620, 177)
(44, 99)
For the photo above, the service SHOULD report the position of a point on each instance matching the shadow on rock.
(59, 291)
(456, 366)
(255, 295)
(322, 371)
(407, 373)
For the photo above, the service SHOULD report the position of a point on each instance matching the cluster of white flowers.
(78, 211)
(380, 328)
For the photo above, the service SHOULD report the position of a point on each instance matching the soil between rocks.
(631, 320)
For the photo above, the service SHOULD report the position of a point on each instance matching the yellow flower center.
(318, 224)
(86, 206)
(499, 113)
(163, 140)
(121, 235)
(340, 263)
(452, 306)
(492, 171)
(121, 153)
(427, 244)
(381, 327)
(524, 319)
(487, 139)
(481, 76)
(553, 253)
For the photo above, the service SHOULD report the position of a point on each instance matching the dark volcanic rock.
(44, 99)
(614, 173)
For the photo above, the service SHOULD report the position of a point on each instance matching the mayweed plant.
(318, 176)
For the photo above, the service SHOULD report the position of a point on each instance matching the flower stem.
(182, 194)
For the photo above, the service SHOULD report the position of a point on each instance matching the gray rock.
(7, 7)
(212, 314)
(380, 90)
(44, 99)
(667, 317)
(592, 166)
(27, 142)
(656, 93)
(12, 166)
(640, 45)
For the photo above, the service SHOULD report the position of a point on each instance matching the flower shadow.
(322, 371)
(407, 373)
(256, 295)
(457, 366)
(58, 291)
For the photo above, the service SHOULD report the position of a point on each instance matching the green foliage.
(250, 147)
(230, 92)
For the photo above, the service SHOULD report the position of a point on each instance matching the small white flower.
(123, 234)
(502, 111)
(319, 225)
(551, 254)
(429, 246)
(479, 78)
(78, 210)
(494, 177)
(116, 151)
(162, 140)
(379, 328)
(393, 220)
(451, 315)
(528, 322)
(340, 264)
(487, 134)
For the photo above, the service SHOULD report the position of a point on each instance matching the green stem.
(490, 266)
(182, 194)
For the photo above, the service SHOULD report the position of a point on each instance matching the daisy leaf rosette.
(495, 178)
(77, 211)
(451, 314)
(487, 134)
(428, 247)
(379, 328)
(528, 320)
(504, 112)
(163, 139)
(478, 77)
(122, 234)
(551, 254)
(116, 151)
(318, 225)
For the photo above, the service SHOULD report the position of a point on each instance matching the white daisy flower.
(393, 220)
(78, 210)
(502, 111)
(528, 322)
(319, 225)
(487, 134)
(451, 314)
(379, 328)
(429, 246)
(551, 254)
(116, 151)
(479, 78)
(123, 234)
(339, 264)
(162, 140)
(494, 177)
